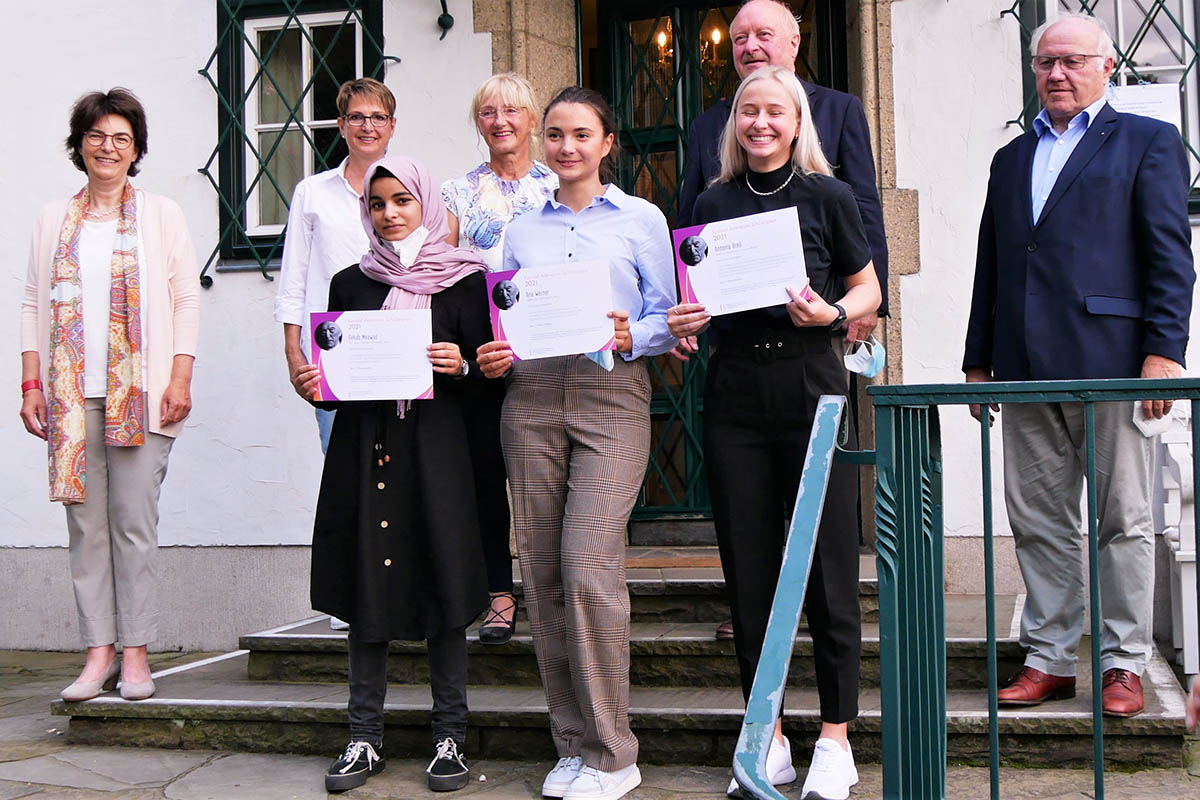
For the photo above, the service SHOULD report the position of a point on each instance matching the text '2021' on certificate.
(553, 311)
(741, 263)
(373, 355)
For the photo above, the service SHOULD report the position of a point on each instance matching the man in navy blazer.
(839, 119)
(1084, 270)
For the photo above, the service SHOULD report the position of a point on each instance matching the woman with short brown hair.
(108, 336)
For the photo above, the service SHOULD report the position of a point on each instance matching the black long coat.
(396, 547)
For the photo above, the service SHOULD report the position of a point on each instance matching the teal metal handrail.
(766, 694)
(908, 501)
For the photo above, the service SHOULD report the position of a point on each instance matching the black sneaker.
(360, 761)
(447, 771)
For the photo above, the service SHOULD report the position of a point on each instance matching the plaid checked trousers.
(576, 440)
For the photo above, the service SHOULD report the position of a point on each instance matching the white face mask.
(408, 247)
(867, 359)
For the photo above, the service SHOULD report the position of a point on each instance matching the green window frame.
(1156, 42)
(275, 70)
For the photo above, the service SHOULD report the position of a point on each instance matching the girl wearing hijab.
(396, 548)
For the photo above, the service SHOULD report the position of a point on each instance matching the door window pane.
(652, 65)
(718, 78)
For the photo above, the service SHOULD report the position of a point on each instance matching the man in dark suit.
(1084, 270)
(765, 33)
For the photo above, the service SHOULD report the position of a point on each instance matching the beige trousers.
(114, 537)
(576, 440)
(1045, 463)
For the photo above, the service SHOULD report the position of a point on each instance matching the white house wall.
(246, 468)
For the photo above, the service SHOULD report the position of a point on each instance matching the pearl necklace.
(99, 215)
(781, 187)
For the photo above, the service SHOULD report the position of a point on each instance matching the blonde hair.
(806, 149)
(511, 89)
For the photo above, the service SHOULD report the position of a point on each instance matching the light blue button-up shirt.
(1053, 150)
(627, 232)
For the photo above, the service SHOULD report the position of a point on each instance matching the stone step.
(685, 584)
(661, 653)
(212, 705)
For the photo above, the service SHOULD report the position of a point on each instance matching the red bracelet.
(32, 384)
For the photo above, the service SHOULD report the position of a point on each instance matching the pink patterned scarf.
(124, 401)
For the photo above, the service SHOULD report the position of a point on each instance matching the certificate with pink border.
(741, 263)
(558, 310)
(373, 355)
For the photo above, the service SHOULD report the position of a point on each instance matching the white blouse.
(96, 241)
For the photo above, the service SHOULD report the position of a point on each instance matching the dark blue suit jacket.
(1105, 277)
(845, 140)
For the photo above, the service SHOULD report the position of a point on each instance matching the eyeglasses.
(510, 113)
(1072, 62)
(121, 141)
(358, 120)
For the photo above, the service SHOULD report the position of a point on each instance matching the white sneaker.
(831, 774)
(338, 625)
(565, 771)
(592, 784)
(779, 766)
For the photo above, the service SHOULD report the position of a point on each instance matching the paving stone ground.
(37, 762)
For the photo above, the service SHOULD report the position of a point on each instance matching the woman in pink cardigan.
(108, 336)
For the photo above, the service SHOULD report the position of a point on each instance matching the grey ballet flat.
(79, 691)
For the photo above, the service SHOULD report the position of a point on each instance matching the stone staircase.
(284, 690)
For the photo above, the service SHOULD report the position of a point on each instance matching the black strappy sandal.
(495, 629)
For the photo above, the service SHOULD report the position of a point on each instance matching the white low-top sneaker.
(831, 774)
(565, 771)
(779, 766)
(592, 784)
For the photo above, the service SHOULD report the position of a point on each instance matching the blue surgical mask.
(867, 359)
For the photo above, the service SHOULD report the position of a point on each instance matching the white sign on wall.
(1160, 101)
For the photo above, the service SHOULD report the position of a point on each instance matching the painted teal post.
(912, 620)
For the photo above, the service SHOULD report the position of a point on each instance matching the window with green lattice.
(276, 70)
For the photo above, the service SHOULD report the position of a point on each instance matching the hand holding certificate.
(553, 311)
(742, 263)
(373, 355)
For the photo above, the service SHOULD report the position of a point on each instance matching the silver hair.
(793, 18)
(1104, 42)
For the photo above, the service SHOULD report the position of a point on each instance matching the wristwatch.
(841, 315)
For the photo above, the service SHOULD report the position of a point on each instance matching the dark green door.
(661, 64)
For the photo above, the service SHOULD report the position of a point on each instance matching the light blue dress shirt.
(627, 232)
(1053, 150)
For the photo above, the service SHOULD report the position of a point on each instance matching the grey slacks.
(576, 440)
(114, 537)
(1045, 463)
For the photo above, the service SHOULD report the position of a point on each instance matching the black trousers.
(758, 412)
(447, 680)
(482, 416)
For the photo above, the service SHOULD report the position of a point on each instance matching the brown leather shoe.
(725, 630)
(1030, 687)
(1122, 693)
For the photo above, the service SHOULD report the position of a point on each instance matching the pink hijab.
(438, 265)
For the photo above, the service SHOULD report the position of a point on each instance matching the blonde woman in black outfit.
(759, 413)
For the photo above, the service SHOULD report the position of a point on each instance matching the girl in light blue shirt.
(576, 436)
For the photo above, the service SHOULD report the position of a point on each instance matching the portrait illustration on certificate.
(741, 263)
(373, 355)
(554, 310)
